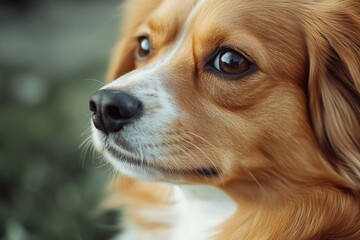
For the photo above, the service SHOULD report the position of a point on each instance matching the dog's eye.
(144, 49)
(230, 63)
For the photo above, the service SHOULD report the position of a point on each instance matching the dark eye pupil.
(144, 48)
(232, 63)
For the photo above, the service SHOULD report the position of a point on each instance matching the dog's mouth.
(133, 160)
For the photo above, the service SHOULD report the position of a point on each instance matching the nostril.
(113, 112)
(92, 106)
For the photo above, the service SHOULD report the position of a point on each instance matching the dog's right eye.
(229, 63)
(144, 48)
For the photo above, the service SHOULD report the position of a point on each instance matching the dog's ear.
(134, 13)
(333, 40)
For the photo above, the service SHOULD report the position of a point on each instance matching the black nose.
(112, 110)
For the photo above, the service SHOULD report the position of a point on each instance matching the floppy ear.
(333, 39)
(134, 13)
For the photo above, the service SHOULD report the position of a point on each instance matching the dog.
(234, 119)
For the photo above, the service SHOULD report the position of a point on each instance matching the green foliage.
(46, 191)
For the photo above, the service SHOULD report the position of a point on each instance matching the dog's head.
(207, 91)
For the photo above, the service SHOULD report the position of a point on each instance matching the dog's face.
(206, 91)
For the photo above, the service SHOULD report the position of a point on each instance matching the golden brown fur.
(290, 132)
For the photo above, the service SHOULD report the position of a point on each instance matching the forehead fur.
(242, 23)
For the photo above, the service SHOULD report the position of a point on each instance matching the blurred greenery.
(52, 54)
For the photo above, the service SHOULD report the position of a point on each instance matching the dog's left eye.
(230, 63)
(144, 48)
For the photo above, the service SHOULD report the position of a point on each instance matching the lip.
(133, 160)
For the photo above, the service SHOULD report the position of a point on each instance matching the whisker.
(102, 165)
(192, 159)
(141, 156)
(110, 171)
(198, 148)
(93, 153)
(86, 131)
(95, 80)
(114, 174)
(256, 181)
(201, 138)
(85, 147)
(207, 156)
(162, 160)
(85, 141)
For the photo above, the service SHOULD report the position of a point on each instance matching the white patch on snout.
(159, 108)
(159, 112)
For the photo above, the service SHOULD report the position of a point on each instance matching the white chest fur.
(196, 213)
(200, 210)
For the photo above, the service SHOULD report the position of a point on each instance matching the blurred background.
(53, 56)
